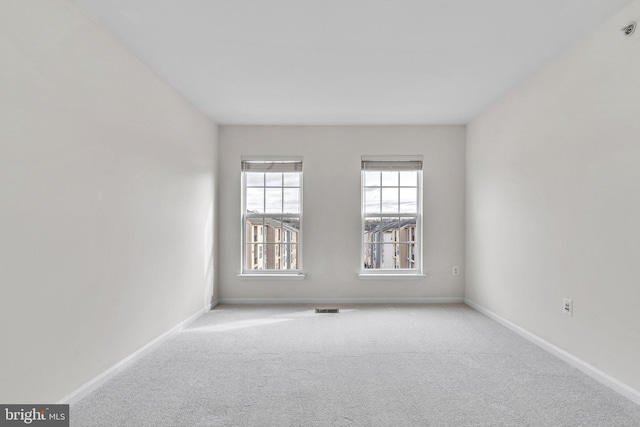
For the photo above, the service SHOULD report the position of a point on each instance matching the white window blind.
(391, 165)
(271, 166)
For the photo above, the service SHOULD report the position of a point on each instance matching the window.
(391, 216)
(271, 216)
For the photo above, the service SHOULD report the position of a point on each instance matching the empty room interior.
(310, 213)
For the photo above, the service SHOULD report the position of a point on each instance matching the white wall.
(331, 229)
(106, 195)
(553, 202)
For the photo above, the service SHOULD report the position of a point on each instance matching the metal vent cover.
(327, 310)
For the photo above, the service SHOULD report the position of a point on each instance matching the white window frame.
(277, 162)
(389, 163)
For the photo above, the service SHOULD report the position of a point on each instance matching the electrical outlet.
(567, 306)
(455, 270)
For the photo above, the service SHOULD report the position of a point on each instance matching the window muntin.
(272, 216)
(391, 216)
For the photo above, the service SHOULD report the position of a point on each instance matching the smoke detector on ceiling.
(629, 29)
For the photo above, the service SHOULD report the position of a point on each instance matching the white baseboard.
(409, 300)
(98, 381)
(603, 378)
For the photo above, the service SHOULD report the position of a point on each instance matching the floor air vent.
(327, 310)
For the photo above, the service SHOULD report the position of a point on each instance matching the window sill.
(262, 276)
(391, 276)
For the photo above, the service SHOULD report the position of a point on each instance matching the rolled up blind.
(392, 165)
(271, 166)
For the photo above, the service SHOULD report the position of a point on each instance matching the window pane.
(271, 230)
(372, 200)
(254, 179)
(273, 179)
(291, 200)
(254, 230)
(372, 179)
(387, 256)
(408, 200)
(370, 258)
(390, 179)
(255, 200)
(389, 229)
(372, 227)
(288, 257)
(409, 178)
(389, 200)
(270, 256)
(406, 256)
(273, 202)
(290, 230)
(254, 257)
(407, 230)
(292, 180)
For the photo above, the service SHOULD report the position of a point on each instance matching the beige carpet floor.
(369, 365)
